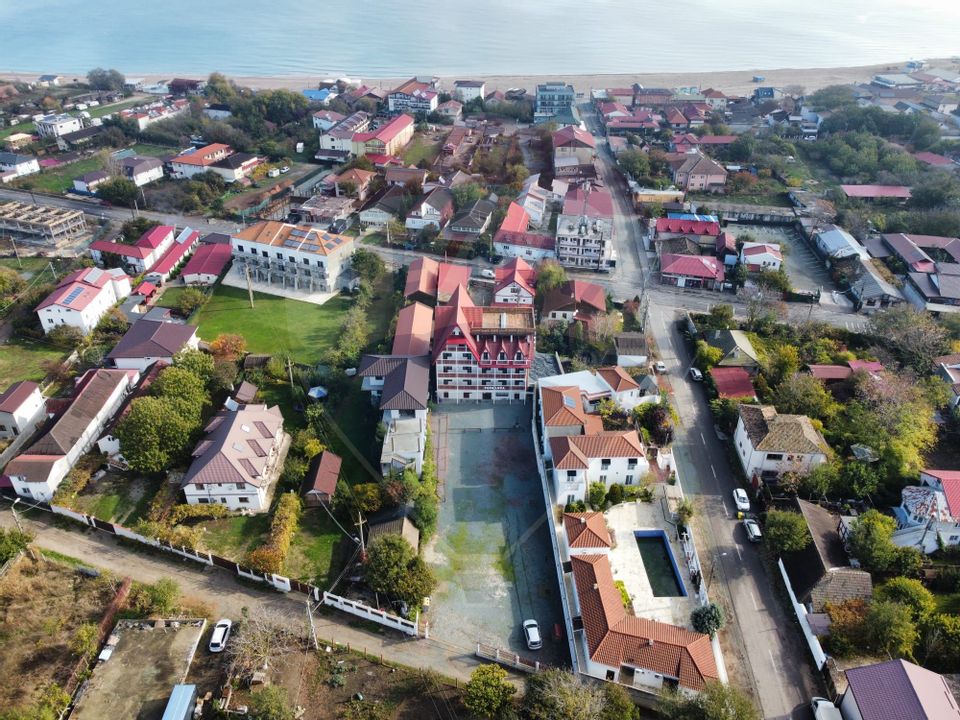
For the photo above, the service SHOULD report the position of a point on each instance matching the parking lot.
(492, 551)
(804, 267)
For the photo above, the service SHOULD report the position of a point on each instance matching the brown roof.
(397, 526)
(773, 432)
(237, 447)
(323, 479)
(414, 330)
(147, 338)
(406, 380)
(631, 343)
(577, 294)
(304, 238)
(573, 452)
(561, 406)
(586, 530)
(32, 468)
(615, 638)
(16, 395)
(617, 378)
(246, 392)
(95, 391)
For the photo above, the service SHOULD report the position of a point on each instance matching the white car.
(741, 500)
(696, 375)
(660, 366)
(487, 273)
(531, 633)
(753, 530)
(285, 169)
(823, 709)
(221, 633)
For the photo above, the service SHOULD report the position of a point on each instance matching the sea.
(387, 38)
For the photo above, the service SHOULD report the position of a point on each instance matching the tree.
(133, 230)
(890, 629)
(488, 691)
(910, 593)
(466, 194)
(12, 542)
(871, 543)
(85, 640)
(803, 394)
(196, 362)
(763, 305)
(270, 703)
(263, 639)
(634, 162)
(10, 281)
(561, 695)
(940, 643)
(191, 300)
(228, 346)
(617, 704)
(550, 275)
(100, 79)
(716, 701)
(368, 264)
(786, 531)
(706, 356)
(685, 512)
(596, 494)
(154, 434)
(721, 316)
(119, 191)
(708, 619)
(367, 497)
(781, 362)
(184, 389)
(224, 375)
(66, 337)
(912, 333)
(394, 569)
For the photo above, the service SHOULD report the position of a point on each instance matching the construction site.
(42, 226)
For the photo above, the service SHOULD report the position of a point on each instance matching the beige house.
(700, 174)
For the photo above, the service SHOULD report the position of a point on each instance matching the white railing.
(354, 607)
(819, 656)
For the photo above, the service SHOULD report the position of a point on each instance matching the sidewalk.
(227, 597)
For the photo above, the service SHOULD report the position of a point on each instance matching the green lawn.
(102, 110)
(20, 360)
(153, 150)
(117, 498)
(311, 552)
(232, 537)
(27, 266)
(171, 297)
(60, 179)
(278, 393)
(275, 324)
(14, 129)
(420, 149)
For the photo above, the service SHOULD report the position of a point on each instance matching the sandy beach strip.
(729, 81)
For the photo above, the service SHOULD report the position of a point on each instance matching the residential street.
(227, 597)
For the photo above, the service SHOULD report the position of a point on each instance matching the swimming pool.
(659, 563)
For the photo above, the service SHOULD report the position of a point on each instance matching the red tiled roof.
(716, 139)
(876, 191)
(154, 237)
(526, 239)
(450, 277)
(516, 220)
(871, 366)
(120, 249)
(208, 260)
(573, 452)
(572, 135)
(691, 227)
(700, 266)
(204, 156)
(562, 406)
(933, 159)
(174, 255)
(414, 330)
(950, 480)
(387, 132)
(586, 530)
(422, 277)
(615, 638)
(830, 372)
(145, 288)
(84, 285)
(617, 378)
(733, 383)
(517, 271)
(596, 202)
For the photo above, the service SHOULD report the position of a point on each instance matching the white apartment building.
(606, 457)
(585, 232)
(467, 90)
(339, 138)
(770, 444)
(82, 298)
(56, 125)
(298, 257)
(38, 471)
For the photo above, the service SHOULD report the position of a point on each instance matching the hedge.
(269, 558)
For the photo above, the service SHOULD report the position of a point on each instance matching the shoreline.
(735, 81)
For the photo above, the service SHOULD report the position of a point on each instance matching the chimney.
(596, 587)
(583, 521)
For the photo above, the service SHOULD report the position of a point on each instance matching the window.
(774, 456)
(253, 251)
(466, 396)
(3, 428)
(203, 501)
(605, 464)
(632, 463)
(628, 480)
(239, 248)
(446, 394)
(603, 479)
(223, 500)
(570, 499)
(291, 258)
(199, 486)
(265, 253)
(571, 474)
(241, 486)
(280, 255)
(954, 538)
(306, 261)
(244, 500)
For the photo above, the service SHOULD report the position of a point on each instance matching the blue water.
(386, 38)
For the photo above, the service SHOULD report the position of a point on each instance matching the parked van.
(273, 172)
(823, 709)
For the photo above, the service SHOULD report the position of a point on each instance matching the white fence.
(819, 656)
(366, 612)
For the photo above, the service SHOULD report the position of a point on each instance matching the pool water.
(659, 564)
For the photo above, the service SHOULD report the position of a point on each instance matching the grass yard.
(232, 537)
(60, 179)
(14, 129)
(20, 360)
(153, 150)
(171, 297)
(101, 110)
(42, 604)
(420, 148)
(275, 324)
(27, 266)
(278, 393)
(311, 557)
(117, 498)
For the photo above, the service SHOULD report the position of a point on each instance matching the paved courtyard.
(492, 551)
(804, 267)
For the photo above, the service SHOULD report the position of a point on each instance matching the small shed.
(399, 525)
(320, 484)
(246, 393)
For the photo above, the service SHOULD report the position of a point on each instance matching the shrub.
(66, 337)
(85, 640)
(708, 619)
(425, 510)
(286, 519)
(190, 301)
(596, 494)
(206, 511)
(488, 691)
(786, 531)
(615, 495)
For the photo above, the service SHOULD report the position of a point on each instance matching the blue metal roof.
(181, 702)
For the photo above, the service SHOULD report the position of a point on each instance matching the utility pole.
(290, 370)
(360, 522)
(249, 285)
(16, 518)
(16, 252)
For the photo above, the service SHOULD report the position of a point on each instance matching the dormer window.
(486, 355)
(502, 356)
(519, 356)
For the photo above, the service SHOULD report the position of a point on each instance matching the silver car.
(753, 530)
(531, 633)
(221, 633)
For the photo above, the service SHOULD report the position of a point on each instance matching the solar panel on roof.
(291, 244)
(329, 246)
(74, 294)
(297, 232)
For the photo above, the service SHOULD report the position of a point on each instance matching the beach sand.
(729, 81)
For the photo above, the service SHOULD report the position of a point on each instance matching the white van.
(823, 709)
